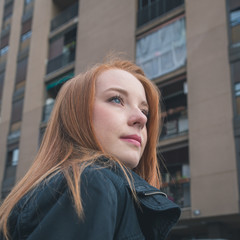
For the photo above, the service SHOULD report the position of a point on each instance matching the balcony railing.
(175, 125)
(156, 9)
(64, 16)
(178, 191)
(60, 61)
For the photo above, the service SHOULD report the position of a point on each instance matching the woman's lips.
(134, 139)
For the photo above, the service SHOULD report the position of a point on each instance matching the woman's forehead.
(117, 78)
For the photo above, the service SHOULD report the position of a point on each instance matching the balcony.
(61, 61)
(178, 191)
(155, 9)
(64, 16)
(176, 124)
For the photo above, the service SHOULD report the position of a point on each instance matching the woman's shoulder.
(52, 189)
(108, 174)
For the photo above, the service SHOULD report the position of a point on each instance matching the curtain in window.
(162, 51)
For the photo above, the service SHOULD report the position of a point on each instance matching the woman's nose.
(137, 118)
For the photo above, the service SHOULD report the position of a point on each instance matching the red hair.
(70, 139)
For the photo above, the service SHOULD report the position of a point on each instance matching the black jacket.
(109, 210)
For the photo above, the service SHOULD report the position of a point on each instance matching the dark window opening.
(67, 10)
(1, 84)
(8, 9)
(53, 88)
(10, 170)
(176, 176)
(235, 26)
(17, 108)
(21, 72)
(236, 79)
(152, 9)
(174, 109)
(234, 4)
(62, 50)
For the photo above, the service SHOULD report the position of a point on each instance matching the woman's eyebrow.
(124, 92)
(144, 104)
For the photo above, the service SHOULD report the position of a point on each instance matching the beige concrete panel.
(208, 63)
(203, 16)
(3, 152)
(215, 194)
(1, 12)
(9, 81)
(29, 140)
(34, 90)
(11, 61)
(211, 139)
(212, 151)
(105, 27)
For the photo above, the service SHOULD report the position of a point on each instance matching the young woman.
(96, 175)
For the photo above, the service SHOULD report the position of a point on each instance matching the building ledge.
(173, 142)
(60, 71)
(177, 75)
(160, 20)
(63, 27)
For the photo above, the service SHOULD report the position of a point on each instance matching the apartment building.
(190, 49)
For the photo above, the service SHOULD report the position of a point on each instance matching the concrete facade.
(110, 26)
(211, 136)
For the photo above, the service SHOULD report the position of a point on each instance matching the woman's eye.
(116, 99)
(146, 113)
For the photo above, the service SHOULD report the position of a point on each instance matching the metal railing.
(156, 9)
(178, 191)
(64, 16)
(60, 61)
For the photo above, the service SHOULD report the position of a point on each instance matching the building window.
(4, 47)
(26, 36)
(1, 84)
(17, 108)
(152, 9)
(163, 50)
(176, 176)
(235, 26)
(4, 50)
(67, 14)
(53, 88)
(10, 170)
(174, 109)
(236, 79)
(28, 1)
(21, 73)
(8, 11)
(13, 157)
(62, 50)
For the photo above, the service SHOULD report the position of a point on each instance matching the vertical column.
(211, 139)
(34, 91)
(102, 28)
(1, 11)
(9, 80)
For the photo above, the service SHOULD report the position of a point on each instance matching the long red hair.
(69, 138)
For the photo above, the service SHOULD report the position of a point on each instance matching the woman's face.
(120, 115)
